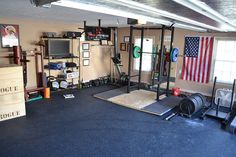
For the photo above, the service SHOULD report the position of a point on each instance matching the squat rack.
(160, 58)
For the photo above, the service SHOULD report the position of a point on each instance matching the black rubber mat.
(163, 106)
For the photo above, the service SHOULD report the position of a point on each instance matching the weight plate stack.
(190, 105)
(203, 99)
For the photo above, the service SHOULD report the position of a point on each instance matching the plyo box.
(12, 102)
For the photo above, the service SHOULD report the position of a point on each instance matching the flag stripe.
(204, 59)
(197, 64)
(187, 69)
(193, 73)
(209, 59)
(191, 68)
(200, 64)
(183, 69)
(197, 59)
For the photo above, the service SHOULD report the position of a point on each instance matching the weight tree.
(160, 79)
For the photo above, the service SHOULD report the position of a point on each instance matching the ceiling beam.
(202, 8)
(122, 13)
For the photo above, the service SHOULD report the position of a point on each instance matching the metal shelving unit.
(75, 56)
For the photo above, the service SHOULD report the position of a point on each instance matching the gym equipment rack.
(160, 79)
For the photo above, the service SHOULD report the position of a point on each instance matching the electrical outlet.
(180, 71)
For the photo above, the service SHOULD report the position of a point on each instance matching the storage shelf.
(61, 58)
(67, 89)
(77, 67)
(67, 78)
(75, 57)
(57, 38)
(73, 67)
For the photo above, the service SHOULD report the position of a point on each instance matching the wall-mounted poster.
(126, 39)
(86, 54)
(85, 46)
(86, 62)
(9, 35)
(97, 33)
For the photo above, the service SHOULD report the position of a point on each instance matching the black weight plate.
(202, 98)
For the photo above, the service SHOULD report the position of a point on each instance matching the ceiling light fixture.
(207, 11)
(142, 21)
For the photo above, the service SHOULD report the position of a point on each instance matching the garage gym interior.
(117, 78)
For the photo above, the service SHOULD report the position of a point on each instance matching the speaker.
(73, 34)
(49, 34)
(132, 21)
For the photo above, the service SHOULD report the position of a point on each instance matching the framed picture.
(85, 54)
(86, 62)
(126, 39)
(85, 46)
(122, 46)
(9, 35)
(103, 42)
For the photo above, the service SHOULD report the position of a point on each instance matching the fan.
(225, 97)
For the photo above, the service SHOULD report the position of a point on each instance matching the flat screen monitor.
(58, 48)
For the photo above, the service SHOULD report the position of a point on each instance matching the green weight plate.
(136, 52)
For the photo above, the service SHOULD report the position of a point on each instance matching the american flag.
(197, 59)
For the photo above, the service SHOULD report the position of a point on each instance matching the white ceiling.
(24, 9)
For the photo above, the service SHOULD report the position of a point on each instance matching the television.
(58, 48)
